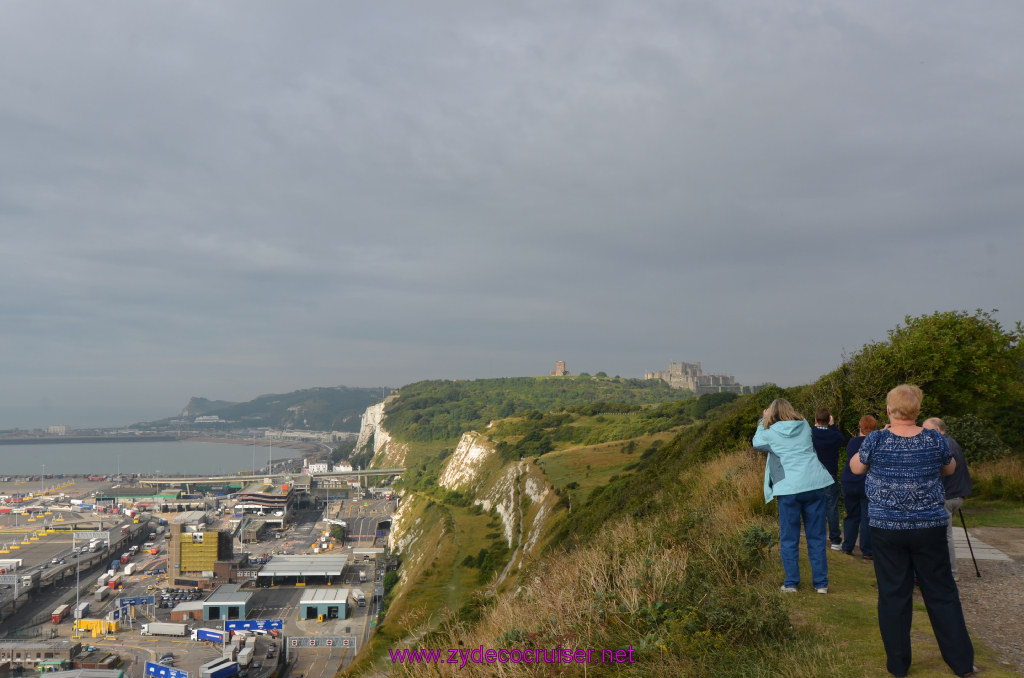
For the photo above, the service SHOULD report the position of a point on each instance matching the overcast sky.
(226, 199)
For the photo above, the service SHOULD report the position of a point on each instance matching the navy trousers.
(898, 556)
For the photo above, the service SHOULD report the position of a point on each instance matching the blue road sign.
(140, 600)
(251, 624)
(164, 671)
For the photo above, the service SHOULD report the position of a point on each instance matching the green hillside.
(444, 410)
(337, 408)
(660, 539)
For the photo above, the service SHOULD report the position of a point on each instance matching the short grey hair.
(935, 423)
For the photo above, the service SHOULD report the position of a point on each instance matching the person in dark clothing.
(958, 487)
(856, 521)
(904, 465)
(827, 441)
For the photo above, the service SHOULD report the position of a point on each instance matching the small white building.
(342, 467)
(318, 467)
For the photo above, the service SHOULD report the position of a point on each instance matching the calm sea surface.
(155, 457)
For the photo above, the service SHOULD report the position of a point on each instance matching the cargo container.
(115, 581)
(82, 609)
(244, 658)
(101, 594)
(218, 668)
(104, 578)
(125, 557)
(10, 563)
(60, 614)
(164, 629)
(130, 568)
(209, 635)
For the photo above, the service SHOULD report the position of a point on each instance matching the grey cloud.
(236, 198)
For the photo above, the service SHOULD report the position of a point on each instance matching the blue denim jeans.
(808, 507)
(832, 512)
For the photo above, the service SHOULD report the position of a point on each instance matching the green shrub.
(979, 441)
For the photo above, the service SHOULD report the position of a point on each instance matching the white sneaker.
(837, 547)
(822, 590)
(787, 589)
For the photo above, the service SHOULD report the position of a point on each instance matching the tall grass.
(1002, 479)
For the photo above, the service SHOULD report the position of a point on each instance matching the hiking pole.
(964, 523)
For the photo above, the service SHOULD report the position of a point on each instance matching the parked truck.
(9, 564)
(218, 668)
(82, 609)
(209, 635)
(29, 580)
(360, 597)
(101, 594)
(244, 658)
(130, 568)
(164, 629)
(362, 576)
(60, 614)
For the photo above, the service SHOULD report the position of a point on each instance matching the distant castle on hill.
(691, 377)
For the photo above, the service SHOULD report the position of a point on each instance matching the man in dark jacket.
(958, 487)
(827, 442)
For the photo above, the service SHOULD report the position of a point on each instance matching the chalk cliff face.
(386, 452)
(430, 533)
(371, 420)
(517, 491)
(464, 468)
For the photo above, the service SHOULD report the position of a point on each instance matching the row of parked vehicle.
(170, 597)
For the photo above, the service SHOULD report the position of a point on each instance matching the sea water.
(149, 458)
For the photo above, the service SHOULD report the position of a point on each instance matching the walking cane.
(964, 523)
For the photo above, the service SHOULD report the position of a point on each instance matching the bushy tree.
(976, 437)
(965, 364)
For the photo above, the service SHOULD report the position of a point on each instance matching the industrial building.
(188, 611)
(193, 551)
(228, 601)
(32, 653)
(322, 604)
(267, 500)
(321, 569)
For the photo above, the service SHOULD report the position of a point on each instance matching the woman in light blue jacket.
(795, 477)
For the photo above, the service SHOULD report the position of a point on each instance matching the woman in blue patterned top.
(906, 513)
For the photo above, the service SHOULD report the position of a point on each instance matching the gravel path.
(994, 604)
